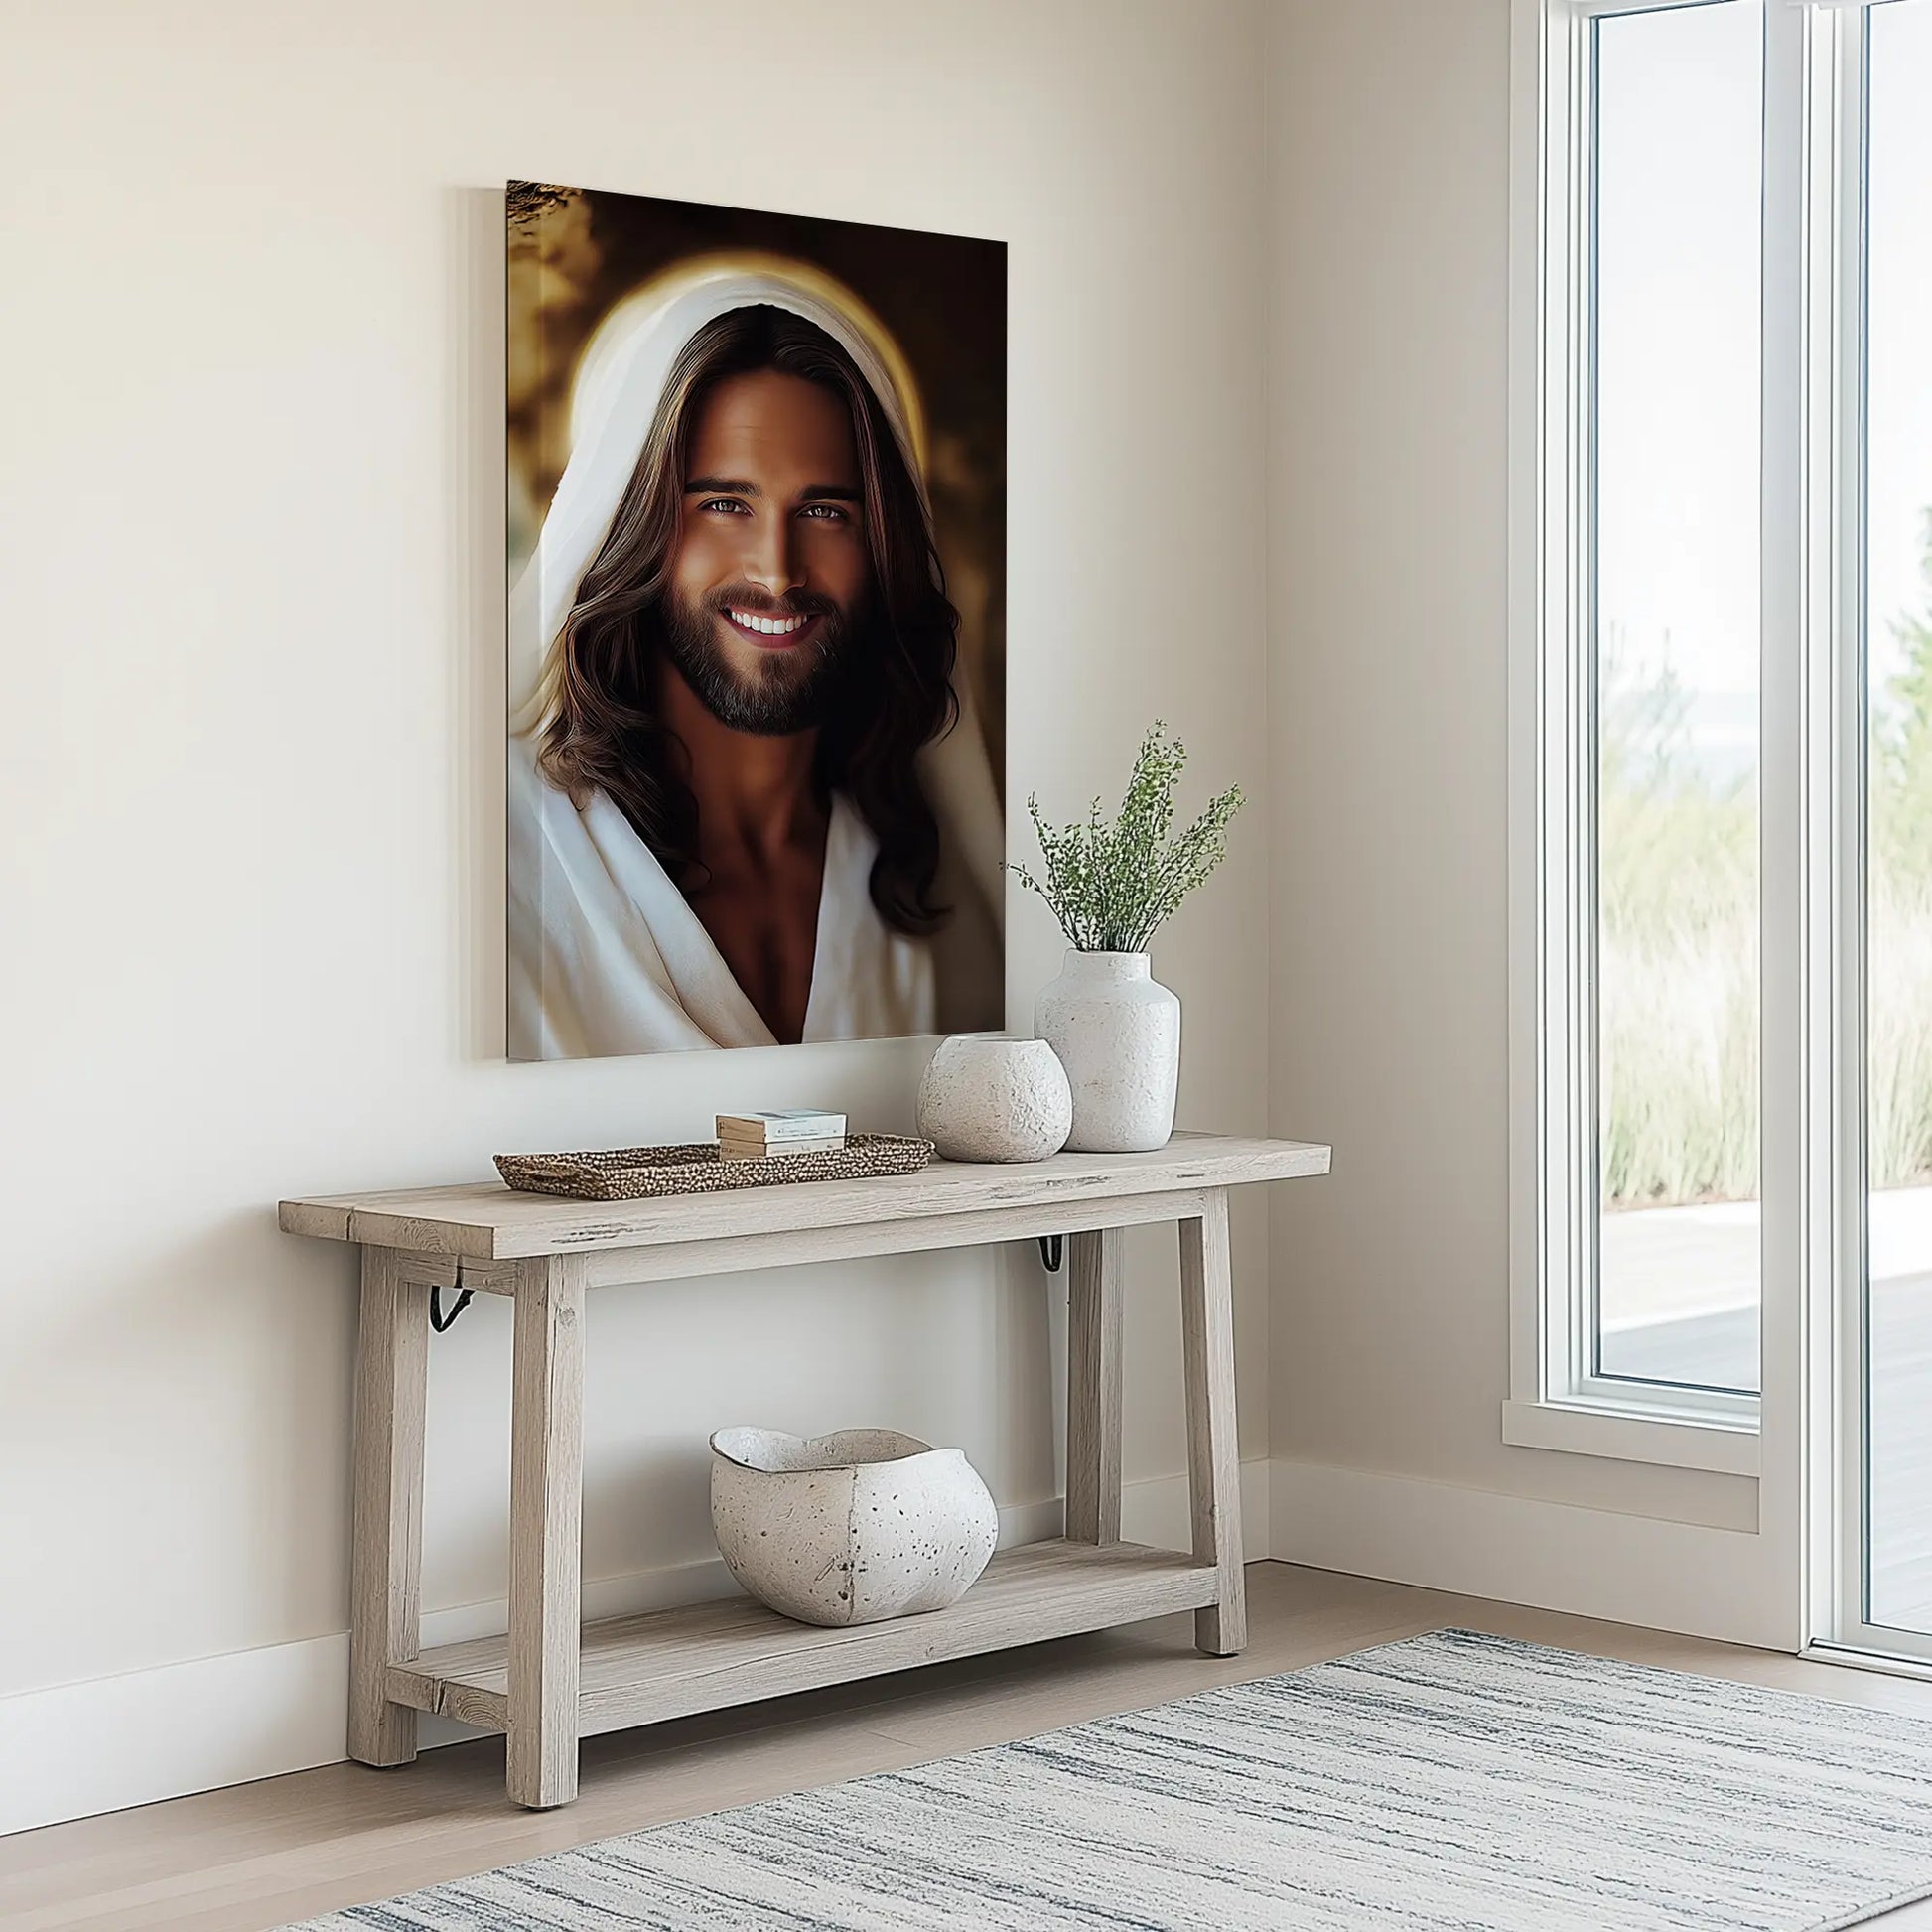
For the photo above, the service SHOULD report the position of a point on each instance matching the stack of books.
(797, 1130)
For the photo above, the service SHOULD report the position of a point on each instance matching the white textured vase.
(994, 1100)
(851, 1528)
(1117, 1032)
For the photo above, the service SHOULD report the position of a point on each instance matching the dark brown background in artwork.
(575, 253)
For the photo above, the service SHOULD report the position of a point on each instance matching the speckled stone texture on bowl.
(851, 1528)
(994, 1100)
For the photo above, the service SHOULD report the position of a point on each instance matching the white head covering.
(619, 387)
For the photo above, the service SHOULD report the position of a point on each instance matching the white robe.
(607, 955)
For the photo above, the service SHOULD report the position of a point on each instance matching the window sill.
(1577, 1429)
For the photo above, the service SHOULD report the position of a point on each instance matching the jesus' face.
(769, 581)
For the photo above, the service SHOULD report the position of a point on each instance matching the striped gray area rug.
(1452, 1780)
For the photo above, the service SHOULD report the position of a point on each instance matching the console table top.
(486, 1221)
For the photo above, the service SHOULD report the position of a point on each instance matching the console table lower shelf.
(554, 1679)
(644, 1670)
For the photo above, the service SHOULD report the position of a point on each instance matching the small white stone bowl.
(983, 1099)
(850, 1528)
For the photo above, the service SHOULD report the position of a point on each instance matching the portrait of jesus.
(752, 796)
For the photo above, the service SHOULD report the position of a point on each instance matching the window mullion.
(1834, 1315)
(1581, 1020)
(1810, 826)
(1563, 737)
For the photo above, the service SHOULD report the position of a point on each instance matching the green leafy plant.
(1111, 886)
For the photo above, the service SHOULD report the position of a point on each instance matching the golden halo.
(807, 278)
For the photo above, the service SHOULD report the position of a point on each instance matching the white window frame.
(1556, 1401)
(1805, 1440)
(1836, 1315)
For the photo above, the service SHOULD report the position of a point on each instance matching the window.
(1721, 766)
(1671, 511)
(1639, 498)
(1889, 1593)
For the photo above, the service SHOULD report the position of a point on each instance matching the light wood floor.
(260, 1855)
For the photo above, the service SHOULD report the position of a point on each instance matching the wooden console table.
(551, 1680)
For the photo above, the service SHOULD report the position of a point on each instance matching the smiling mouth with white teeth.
(767, 626)
(769, 632)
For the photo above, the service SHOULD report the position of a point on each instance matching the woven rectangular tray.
(697, 1168)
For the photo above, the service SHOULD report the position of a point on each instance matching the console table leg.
(546, 1523)
(1093, 1382)
(386, 1550)
(1213, 1457)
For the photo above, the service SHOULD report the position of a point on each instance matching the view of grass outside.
(1900, 919)
(1676, 406)
(1677, 953)
(1678, 939)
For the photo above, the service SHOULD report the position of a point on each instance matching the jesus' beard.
(786, 691)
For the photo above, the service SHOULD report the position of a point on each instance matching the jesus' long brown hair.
(896, 695)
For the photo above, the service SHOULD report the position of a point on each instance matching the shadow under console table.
(551, 1680)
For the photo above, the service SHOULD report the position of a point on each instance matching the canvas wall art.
(756, 628)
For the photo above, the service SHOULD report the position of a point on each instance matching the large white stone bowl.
(850, 1528)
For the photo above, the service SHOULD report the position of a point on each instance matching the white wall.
(249, 538)
(1388, 329)
(250, 541)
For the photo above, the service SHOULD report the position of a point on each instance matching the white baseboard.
(1680, 1577)
(115, 1742)
(109, 1743)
